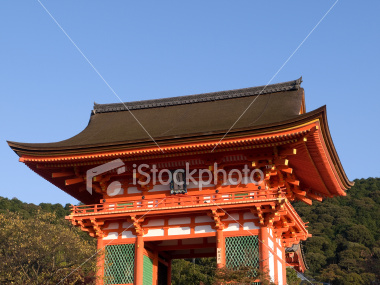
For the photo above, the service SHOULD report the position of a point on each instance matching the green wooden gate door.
(148, 271)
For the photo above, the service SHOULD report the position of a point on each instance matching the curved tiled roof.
(181, 117)
(199, 98)
(195, 124)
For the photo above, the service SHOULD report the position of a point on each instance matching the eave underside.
(312, 163)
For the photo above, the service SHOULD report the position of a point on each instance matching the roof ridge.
(198, 98)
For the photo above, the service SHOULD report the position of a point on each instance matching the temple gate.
(229, 199)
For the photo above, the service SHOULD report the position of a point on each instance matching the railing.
(185, 200)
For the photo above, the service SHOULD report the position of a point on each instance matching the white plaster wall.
(232, 217)
(156, 222)
(270, 244)
(112, 235)
(249, 215)
(279, 253)
(279, 273)
(112, 226)
(155, 233)
(127, 234)
(179, 231)
(203, 229)
(250, 226)
(179, 221)
(127, 225)
(133, 190)
(203, 219)
(271, 266)
(232, 227)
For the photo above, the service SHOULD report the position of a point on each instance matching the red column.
(264, 249)
(139, 260)
(155, 267)
(169, 272)
(220, 249)
(100, 262)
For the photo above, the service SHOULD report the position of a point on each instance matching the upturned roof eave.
(77, 142)
(320, 113)
(34, 149)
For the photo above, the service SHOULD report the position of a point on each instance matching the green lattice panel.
(119, 264)
(240, 195)
(148, 271)
(243, 251)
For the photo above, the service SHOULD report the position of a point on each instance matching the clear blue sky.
(155, 49)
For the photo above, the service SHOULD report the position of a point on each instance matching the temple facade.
(159, 183)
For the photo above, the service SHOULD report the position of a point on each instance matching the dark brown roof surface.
(199, 98)
(178, 117)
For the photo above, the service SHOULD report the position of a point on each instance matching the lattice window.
(119, 264)
(243, 251)
(239, 196)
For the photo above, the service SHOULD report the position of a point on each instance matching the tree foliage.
(242, 275)
(37, 247)
(193, 271)
(291, 276)
(345, 245)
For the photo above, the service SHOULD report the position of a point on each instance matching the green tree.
(345, 245)
(43, 250)
(291, 277)
(193, 272)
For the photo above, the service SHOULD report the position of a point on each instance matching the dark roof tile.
(185, 116)
(199, 98)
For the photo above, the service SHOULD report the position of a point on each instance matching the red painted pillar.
(220, 249)
(169, 272)
(100, 262)
(264, 249)
(155, 267)
(139, 259)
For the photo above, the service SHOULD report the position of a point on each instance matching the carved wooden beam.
(281, 161)
(85, 229)
(296, 190)
(303, 199)
(313, 196)
(286, 152)
(62, 174)
(293, 181)
(74, 181)
(219, 225)
(259, 213)
(137, 225)
(285, 168)
(96, 225)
